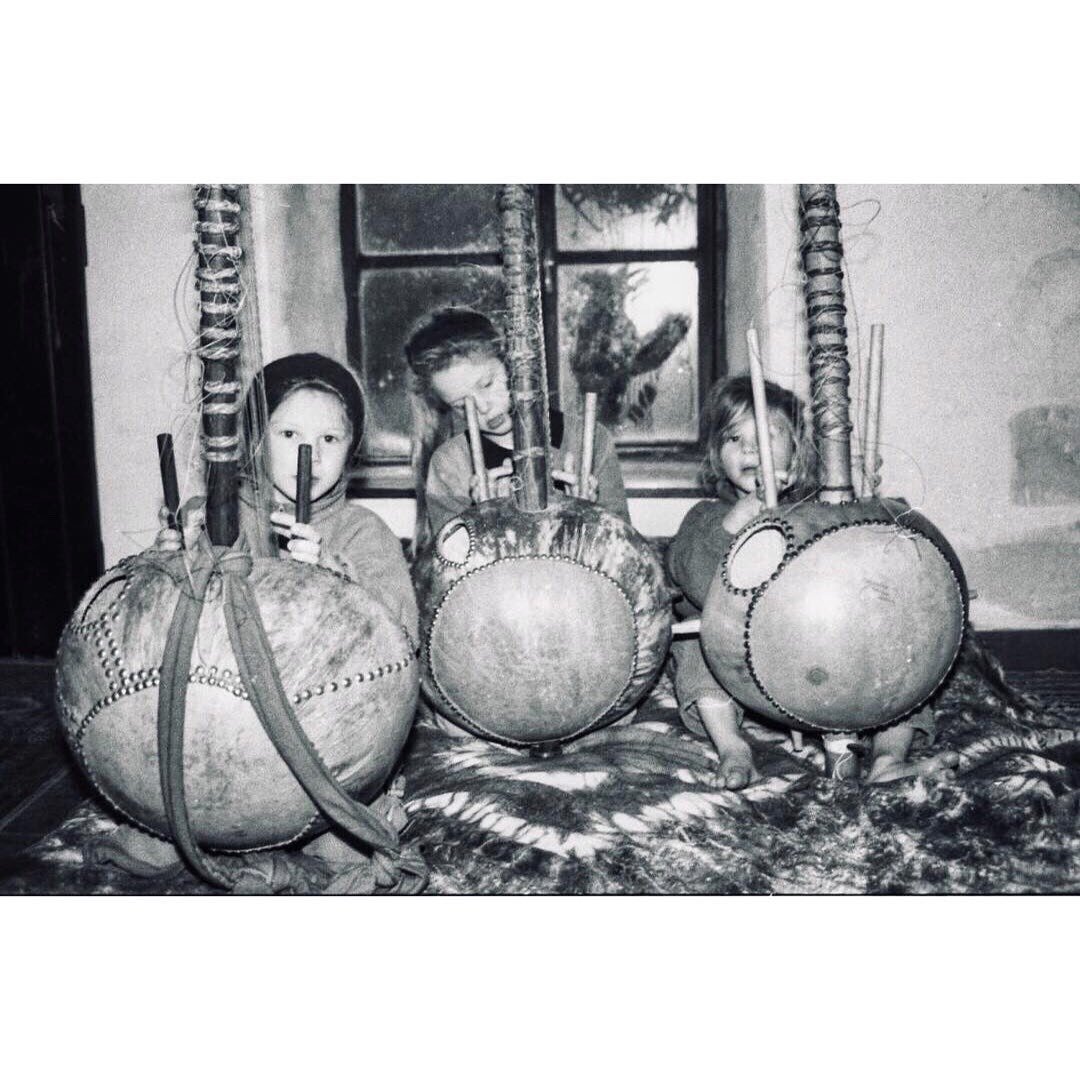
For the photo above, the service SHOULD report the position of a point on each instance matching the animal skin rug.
(634, 809)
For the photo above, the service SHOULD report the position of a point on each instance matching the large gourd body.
(835, 617)
(540, 626)
(348, 669)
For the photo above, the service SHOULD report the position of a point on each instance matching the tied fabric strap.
(396, 871)
(172, 706)
(262, 681)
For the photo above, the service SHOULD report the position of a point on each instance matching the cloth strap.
(172, 707)
(396, 871)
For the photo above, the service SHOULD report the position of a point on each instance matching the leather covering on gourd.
(553, 624)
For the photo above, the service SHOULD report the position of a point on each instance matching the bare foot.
(885, 767)
(720, 718)
(736, 768)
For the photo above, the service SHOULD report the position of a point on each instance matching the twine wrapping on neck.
(217, 275)
(525, 344)
(822, 258)
(223, 227)
(525, 397)
(220, 205)
(223, 387)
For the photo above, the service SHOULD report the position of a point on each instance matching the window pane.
(626, 217)
(398, 219)
(392, 303)
(631, 329)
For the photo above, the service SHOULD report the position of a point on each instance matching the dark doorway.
(50, 533)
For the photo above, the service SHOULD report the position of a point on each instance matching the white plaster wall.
(978, 287)
(297, 258)
(784, 339)
(968, 340)
(977, 328)
(141, 316)
(764, 282)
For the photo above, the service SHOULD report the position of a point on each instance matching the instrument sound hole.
(454, 543)
(755, 557)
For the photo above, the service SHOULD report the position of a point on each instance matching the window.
(631, 277)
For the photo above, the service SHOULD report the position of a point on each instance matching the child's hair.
(282, 377)
(446, 337)
(728, 401)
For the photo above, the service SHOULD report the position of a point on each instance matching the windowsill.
(652, 477)
(380, 482)
(674, 477)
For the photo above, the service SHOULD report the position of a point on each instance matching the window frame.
(655, 468)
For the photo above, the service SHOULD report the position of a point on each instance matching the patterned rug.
(635, 809)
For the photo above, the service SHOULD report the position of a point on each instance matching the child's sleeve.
(373, 557)
(693, 557)
(447, 486)
(698, 548)
(611, 493)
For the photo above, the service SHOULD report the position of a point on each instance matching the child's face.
(319, 419)
(739, 451)
(482, 377)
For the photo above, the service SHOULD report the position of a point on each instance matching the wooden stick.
(761, 420)
(588, 438)
(477, 449)
(169, 485)
(859, 456)
(303, 484)
(873, 402)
